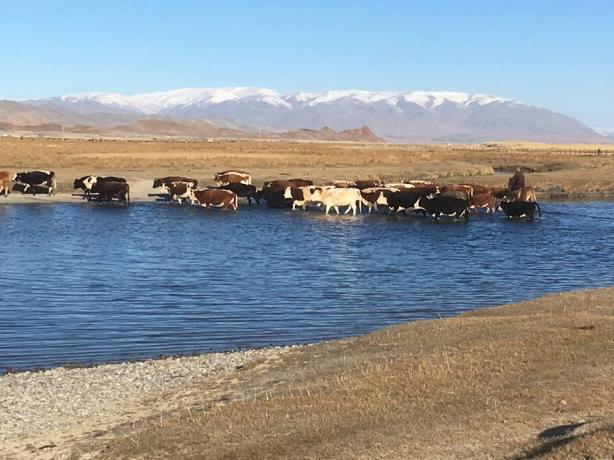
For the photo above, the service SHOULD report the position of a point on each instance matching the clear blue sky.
(556, 54)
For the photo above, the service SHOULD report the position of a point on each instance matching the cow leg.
(337, 209)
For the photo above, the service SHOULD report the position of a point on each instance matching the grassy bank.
(529, 380)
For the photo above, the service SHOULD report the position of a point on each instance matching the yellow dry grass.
(482, 385)
(551, 168)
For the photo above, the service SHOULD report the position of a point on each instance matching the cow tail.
(54, 184)
(235, 200)
(539, 211)
(128, 192)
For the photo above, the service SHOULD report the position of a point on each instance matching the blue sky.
(555, 54)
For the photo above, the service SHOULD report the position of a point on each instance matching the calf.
(244, 191)
(520, 209)
(107, 190)
(446, 205)
(215, 198)
(33, 179)
(233, 177)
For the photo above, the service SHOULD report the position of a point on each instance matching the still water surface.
(88, 283)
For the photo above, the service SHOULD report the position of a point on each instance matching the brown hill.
(362, 134)
(177, 128)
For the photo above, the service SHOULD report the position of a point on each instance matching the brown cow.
(215, 198)
(233, 177)
(170, 179)
(6, 178)
(525, 194)
(368, 183)
(483, 200)
(466, 189)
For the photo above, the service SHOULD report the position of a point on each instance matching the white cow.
(335, 197)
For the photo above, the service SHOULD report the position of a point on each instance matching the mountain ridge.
(397, 116)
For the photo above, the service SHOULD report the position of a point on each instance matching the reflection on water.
(90, 282)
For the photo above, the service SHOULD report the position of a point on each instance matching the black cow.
(33, 179)
(107, 190)
(447, 205)
(520, 208)
(404, 199)
(87, 183)
(273, 191)
(244, 191)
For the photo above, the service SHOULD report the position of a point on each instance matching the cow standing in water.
(33, 179)
(215, 198)
(86, 183)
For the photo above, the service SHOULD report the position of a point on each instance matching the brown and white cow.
(463, 188)
(373, 196)
(215, 198)
(368, 183)
(341, 184)
(170, 179)
(179, 191)
(483, 200)
(6, 178)
(233, 176)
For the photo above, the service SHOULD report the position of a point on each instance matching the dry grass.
(552, 167)
(482, 385)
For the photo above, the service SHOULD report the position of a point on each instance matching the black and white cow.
(520, 209)
(446, 205)
(33, 179)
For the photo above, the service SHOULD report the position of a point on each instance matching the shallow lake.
(88, 283)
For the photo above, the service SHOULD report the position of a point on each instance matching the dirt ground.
(551, 169)
(529, 380)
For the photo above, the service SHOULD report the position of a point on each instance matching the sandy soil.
(529, 380)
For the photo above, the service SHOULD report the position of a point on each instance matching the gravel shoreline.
(45, 413)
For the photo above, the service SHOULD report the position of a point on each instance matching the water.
(88, 283)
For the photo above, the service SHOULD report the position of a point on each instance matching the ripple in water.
(93, 283)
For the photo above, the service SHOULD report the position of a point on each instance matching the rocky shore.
(45, 412)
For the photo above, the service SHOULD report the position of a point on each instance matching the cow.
(233, 176)
(368, 183)
(342, 184)
(467, 189)
(215, 198)
(335, 197)
(273, 191)
(446, 205)
(303, 196)
(401, 200)
(371, 197)
(525, 194)
(170, 179)
(520, 209)
(244, 191)
(499, 192)
(107, 190)
(178, 191)
(483, 200)
(33, 179)
(86, 183)
(6, 178)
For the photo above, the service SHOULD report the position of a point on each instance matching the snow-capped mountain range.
(403, 116)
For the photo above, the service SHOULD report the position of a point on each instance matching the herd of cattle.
(456, 200)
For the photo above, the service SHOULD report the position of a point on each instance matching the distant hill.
(406, 116)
